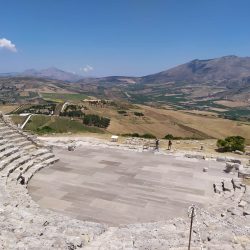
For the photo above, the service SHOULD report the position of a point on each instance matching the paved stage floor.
(123, 187)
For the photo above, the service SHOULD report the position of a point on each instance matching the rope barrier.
(192, 213)
(194, 210)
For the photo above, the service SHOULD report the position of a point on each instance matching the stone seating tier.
(15, 164)
(5, 147)
(7, 132)
(9, 159)
(8, 152)
(22, 143)
(3, 141)
(29, 147)
(28, 161)
(39, 152)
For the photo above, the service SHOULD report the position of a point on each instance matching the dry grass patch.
(8, 108)
(24, 94)
(161, 122)
(212, 126)
(232, 104)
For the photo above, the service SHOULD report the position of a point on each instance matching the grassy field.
(161, 122)
(232, 104)
(156, 121)
(58, 125)
(61, 97)
(18, 119)
(37, 121)
(209, 125)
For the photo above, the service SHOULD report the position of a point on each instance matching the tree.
(96, 120)
(231, 143)
(169, 137)
(148, 136)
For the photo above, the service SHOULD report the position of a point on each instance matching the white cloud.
(7, 44)
(87, 68)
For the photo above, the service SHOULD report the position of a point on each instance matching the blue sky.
(119, 37)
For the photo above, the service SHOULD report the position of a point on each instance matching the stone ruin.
(24, 225)
(137, 142)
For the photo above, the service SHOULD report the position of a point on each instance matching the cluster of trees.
(147, 135)
(73, 111)
(71, 108)
(138, 114)
(88, 119)
(171, 137)
(44, 109)
(231, 143)
(124, 112)
(96, 120)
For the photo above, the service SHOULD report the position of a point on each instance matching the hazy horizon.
(93, 76)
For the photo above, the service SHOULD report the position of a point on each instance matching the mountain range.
(49, 73)
(227, 68)
(224, 77)
(224, 69)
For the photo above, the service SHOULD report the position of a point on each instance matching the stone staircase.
(24, 225)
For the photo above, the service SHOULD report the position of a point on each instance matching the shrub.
(122, 112)
(231, 143)
(169, 137)
(131, 135)
(138, 114)
(148, 136)
(172, 137)
(71, 108)
(45, 130)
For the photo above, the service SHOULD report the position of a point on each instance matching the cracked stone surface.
(116, 187)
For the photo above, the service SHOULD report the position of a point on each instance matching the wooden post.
(191, 227)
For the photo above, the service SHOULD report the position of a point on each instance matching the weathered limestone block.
(242, 204)
(205, 169)
(239, 152)
(244, 172)
(231, 167)
(233, 160)
(221, 159)
(246, 212)
(195, 156)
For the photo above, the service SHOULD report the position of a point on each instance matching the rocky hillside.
(52, 73)
(49, 73)
(226, 77)
(224, 69)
